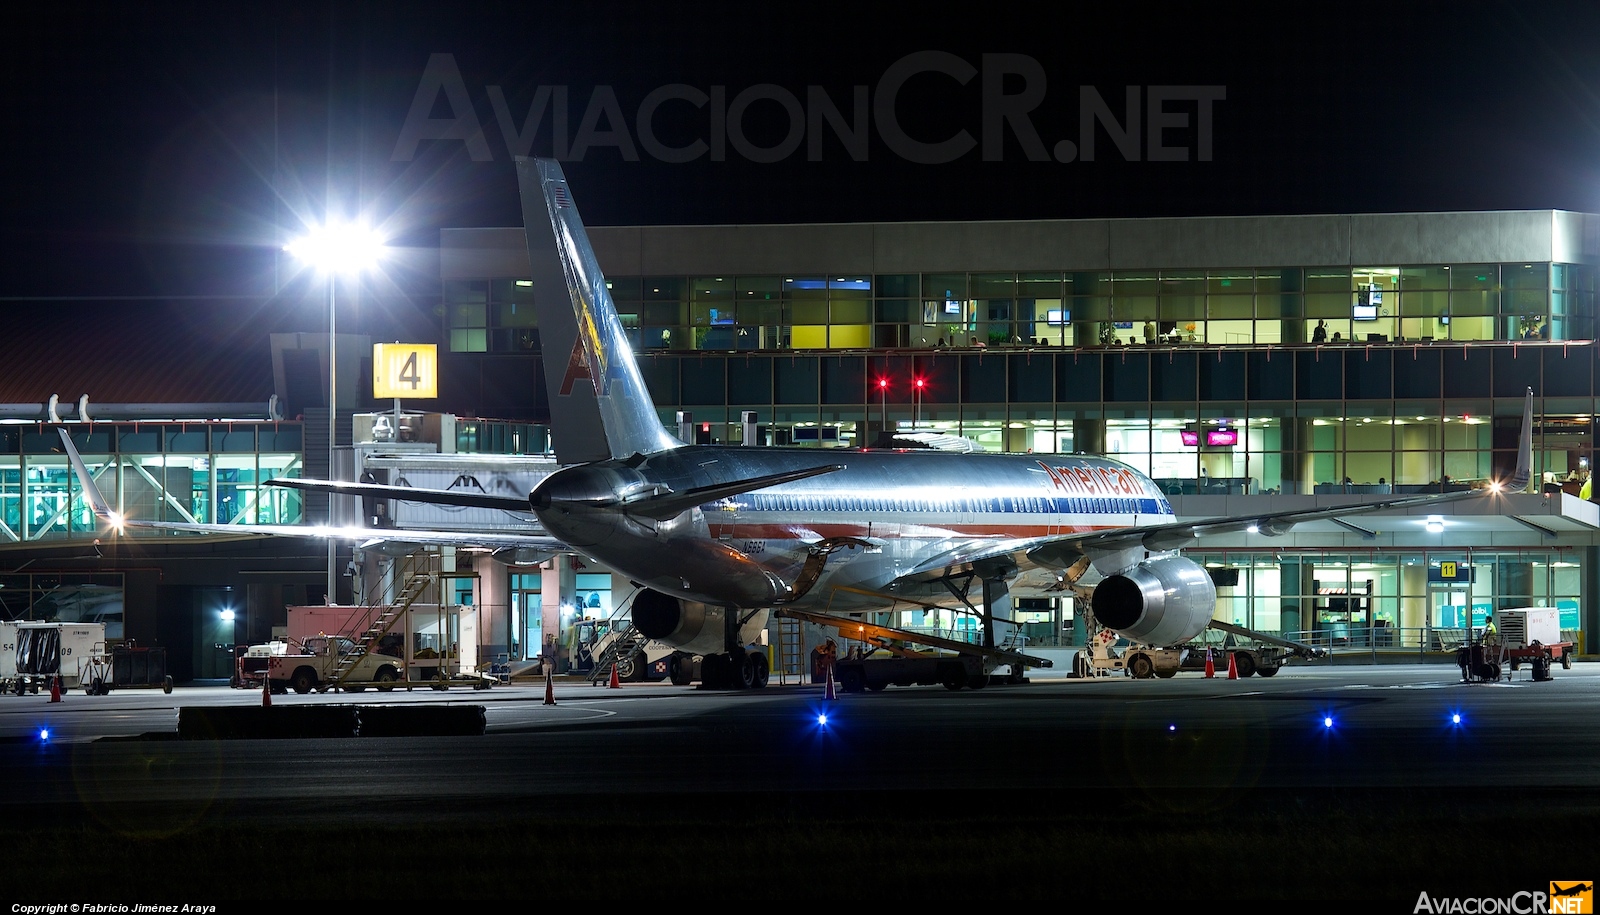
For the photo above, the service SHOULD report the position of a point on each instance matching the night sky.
(170, 153)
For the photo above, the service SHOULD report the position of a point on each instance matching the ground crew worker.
(1490, 634)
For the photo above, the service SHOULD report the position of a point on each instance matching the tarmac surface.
(1407, 738)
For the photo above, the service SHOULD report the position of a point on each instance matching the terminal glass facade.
(210, 473)
(1216, 306)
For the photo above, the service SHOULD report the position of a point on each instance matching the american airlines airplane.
(717, 537)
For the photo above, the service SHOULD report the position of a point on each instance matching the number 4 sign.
(405, 370)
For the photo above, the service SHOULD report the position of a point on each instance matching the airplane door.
(725, 519)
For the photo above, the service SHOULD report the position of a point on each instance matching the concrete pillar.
(1089, 436)
(494, 606)
(1295, 451)
(1414, 600)
(1589, 600)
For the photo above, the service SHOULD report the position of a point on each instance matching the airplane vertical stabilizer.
(599, 406)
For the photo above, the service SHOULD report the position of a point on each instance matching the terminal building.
(1244, 363)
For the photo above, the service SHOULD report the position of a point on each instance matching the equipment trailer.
(947, 662)
(1143, 662)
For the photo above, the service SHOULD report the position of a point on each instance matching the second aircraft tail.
(599, 406)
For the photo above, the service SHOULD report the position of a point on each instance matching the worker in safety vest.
(1490, 634)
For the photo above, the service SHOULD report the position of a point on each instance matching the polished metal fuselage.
(906, 509)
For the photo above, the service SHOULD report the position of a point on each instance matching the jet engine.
(689, 626)
(1162, 601)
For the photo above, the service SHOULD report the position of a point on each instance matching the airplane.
(717, 537)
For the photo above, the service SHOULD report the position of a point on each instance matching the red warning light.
(883, 382)
(705, 427)
(920, 383)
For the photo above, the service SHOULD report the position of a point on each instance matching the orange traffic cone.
(1233, 667)
(829, 693)
(55, 689)
(615, 682)
(549, 687)
(266, 690)
(1211, 668)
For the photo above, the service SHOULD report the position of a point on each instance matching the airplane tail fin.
(599, 406)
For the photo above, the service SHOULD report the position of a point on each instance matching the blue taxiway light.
(1172, 727)
(1455, 717)
(822, 720)
(1327, 721)
(44, 733)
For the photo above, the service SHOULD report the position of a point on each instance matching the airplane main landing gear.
(739, 670)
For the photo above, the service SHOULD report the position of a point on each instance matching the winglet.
(91, 492)
(1524, 472)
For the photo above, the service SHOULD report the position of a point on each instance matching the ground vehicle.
(1526, 635)
(1143, 661)
(250, 663)
(617, 641)
(34, 653)
(326, 661)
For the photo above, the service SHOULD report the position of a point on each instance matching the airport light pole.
(335, 248)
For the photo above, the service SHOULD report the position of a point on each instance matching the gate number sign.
(405, 370)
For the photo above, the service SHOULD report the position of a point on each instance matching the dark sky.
(171, 152)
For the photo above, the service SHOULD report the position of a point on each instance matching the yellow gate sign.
(405, 370)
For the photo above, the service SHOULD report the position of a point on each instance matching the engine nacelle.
(1162, 602)
(689, 625)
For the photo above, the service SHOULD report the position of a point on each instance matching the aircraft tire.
(741, 670)
(680, 669)
(714, 671)
(762, 671)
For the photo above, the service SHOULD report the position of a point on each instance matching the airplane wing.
(1060, 550)
(527, 545)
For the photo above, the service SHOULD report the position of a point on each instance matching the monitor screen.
(1223, 437)
(1363, 312)
(1190, 437)
(1058, 316)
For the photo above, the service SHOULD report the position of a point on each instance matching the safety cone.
(1211, 668)
(615, 682)
(55, 689)
(829, 693)
(549, 687)
(266, 690)
(1233, 667)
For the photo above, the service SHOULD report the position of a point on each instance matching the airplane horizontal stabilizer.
(407, 494)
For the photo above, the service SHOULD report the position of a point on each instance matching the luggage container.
(32, 654)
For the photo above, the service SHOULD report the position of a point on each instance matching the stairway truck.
(1532, 636)
(315, 664)
(855, 675)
